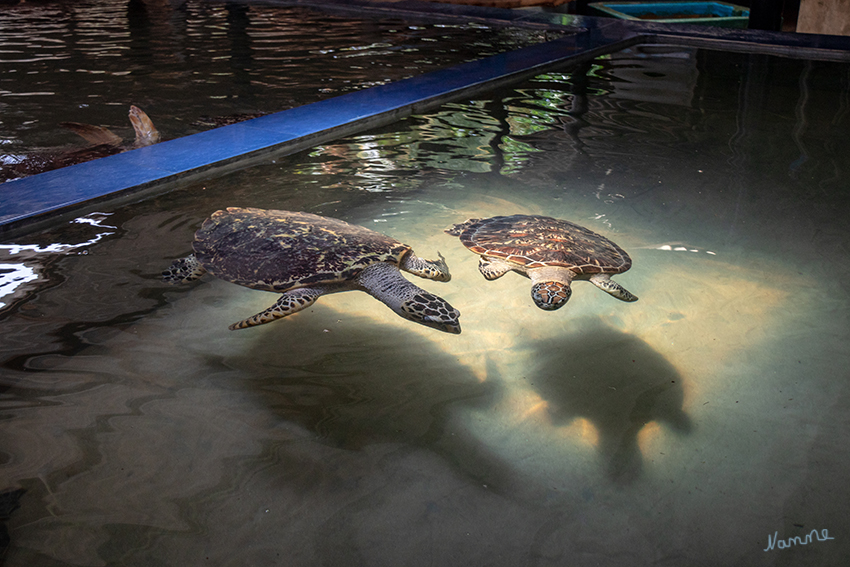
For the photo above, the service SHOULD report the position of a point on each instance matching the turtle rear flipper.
(289, 303)
(184, 270)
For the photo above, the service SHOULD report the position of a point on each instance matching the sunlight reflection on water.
(15, 275)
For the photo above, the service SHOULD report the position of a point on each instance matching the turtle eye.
(550, 295)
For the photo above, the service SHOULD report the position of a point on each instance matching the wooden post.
(824, 16)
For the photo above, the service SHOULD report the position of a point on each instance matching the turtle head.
(551, 295)
(385, 283)
(432, 311)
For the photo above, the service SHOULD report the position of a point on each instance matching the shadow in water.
(9, 502)
(615, 381)
(360, 383)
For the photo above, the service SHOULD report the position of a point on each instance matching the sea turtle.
(103, 142)
(551, 252)
(303, 256)
(146, 132)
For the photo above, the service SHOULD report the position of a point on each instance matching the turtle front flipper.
(289, 303)
(183, 270)
(492, 269)
(436, 270)
(146, 132)
(606, 284)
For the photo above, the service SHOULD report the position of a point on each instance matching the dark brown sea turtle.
(103, 142)
(551, 252)
(303, 256)
(146, 132)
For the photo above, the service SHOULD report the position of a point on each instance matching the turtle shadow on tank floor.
(615, 381)
(352, 382)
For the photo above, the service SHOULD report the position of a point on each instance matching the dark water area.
(692, 427)
(195, 65)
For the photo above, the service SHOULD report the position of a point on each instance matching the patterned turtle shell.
(281, 250)
(533, 241)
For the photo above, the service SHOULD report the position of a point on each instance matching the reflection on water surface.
(681, 429)
(195, 65)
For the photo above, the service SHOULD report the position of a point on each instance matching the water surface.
(197, 64)
(684, 428)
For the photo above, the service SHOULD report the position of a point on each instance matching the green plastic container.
(705, 13)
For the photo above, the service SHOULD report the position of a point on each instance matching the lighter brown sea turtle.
(551, 252)
(303, 256)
